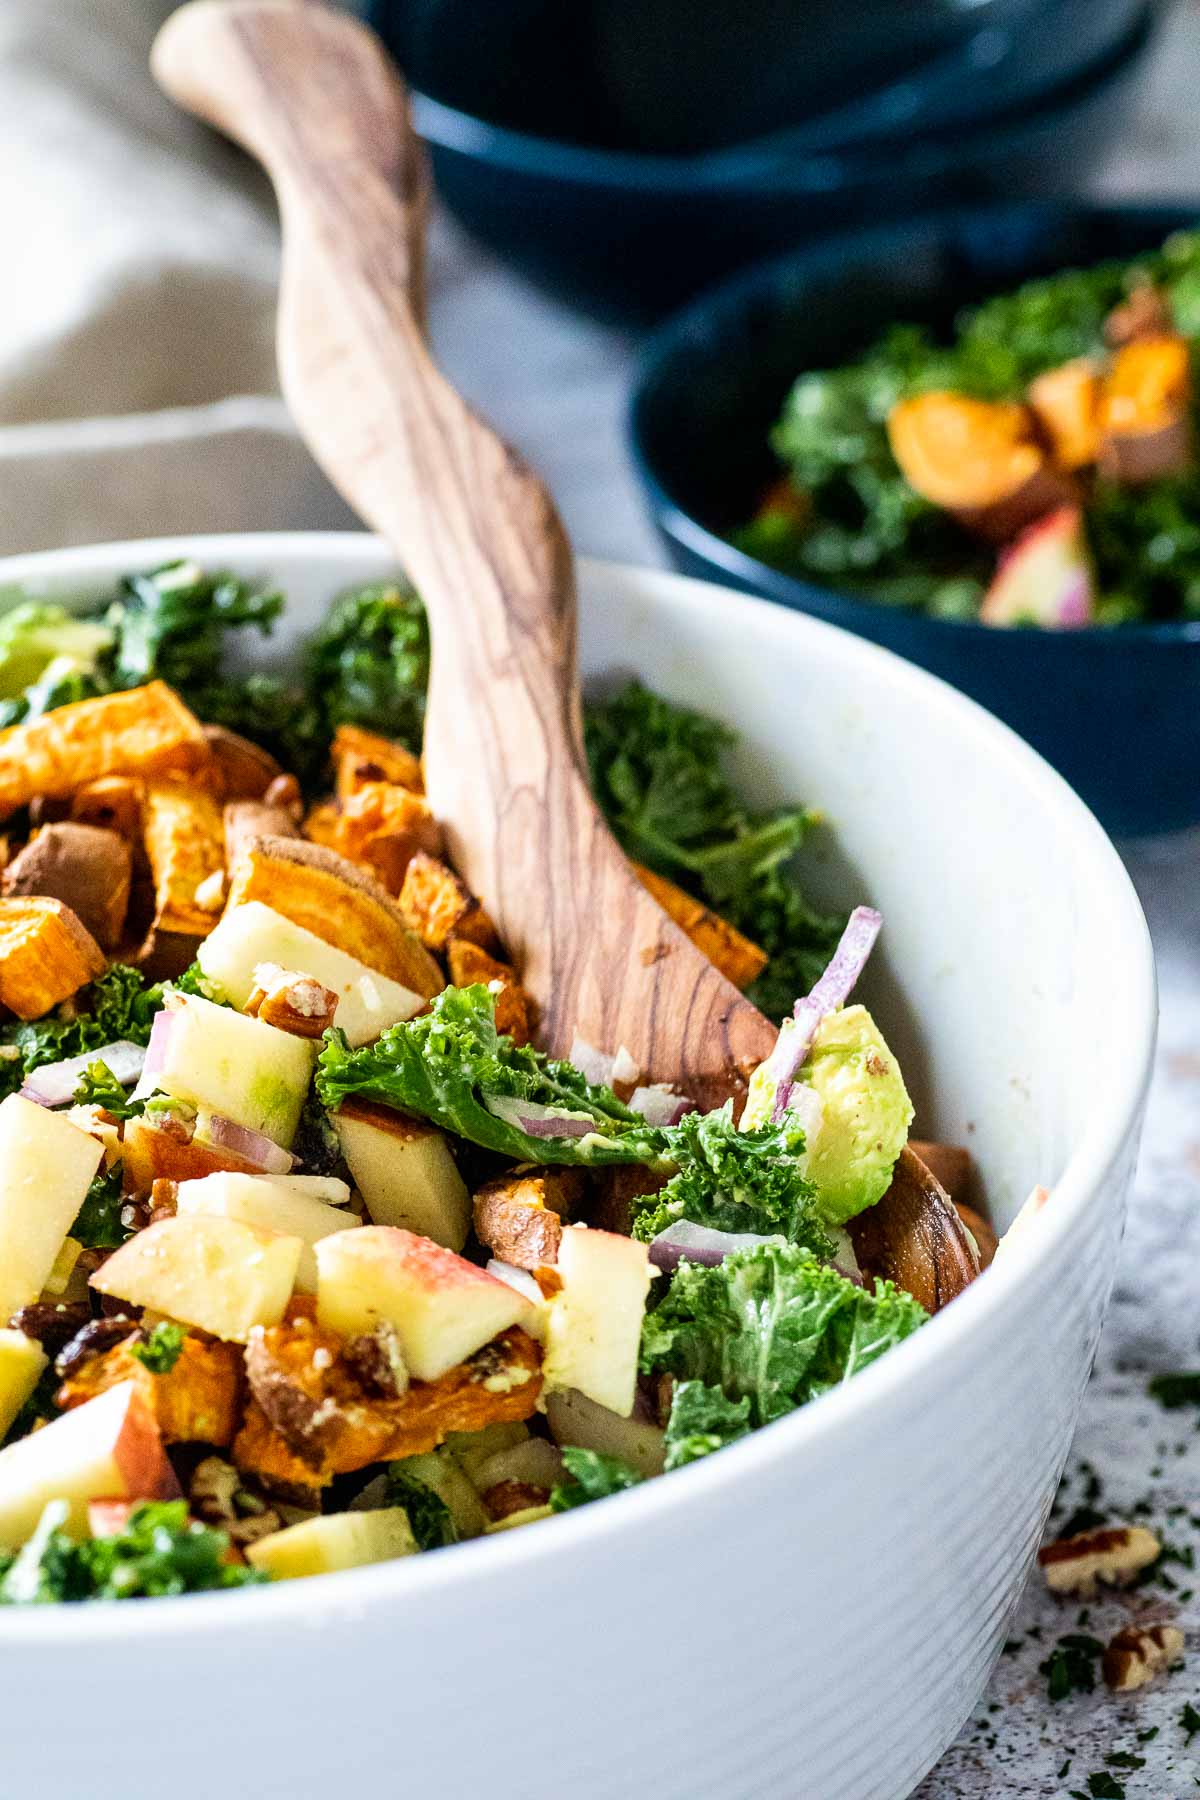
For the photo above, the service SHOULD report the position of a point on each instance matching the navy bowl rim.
(450, 128)
(717, 304)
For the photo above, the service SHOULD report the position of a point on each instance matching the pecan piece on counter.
(1113, 1555)
(1138, 1653)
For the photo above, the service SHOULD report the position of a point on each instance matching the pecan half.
(1138, 1653)
(1114, 1555)
(292, 1002)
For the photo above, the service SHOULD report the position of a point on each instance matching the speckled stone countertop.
(556, 385)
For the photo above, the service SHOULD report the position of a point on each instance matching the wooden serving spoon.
(311, 94)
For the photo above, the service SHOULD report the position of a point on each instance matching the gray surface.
(557, 385)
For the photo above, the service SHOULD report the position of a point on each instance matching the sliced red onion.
(156, 1050)
(699, 1244)
(831, 991)
(520, 1279)
(537, 1120)
(659, 1104)
(844, 1259)
(592, 1063)
(263, 1152)
(54, 1083)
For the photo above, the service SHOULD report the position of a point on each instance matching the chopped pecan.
(1113, 1554)
(292, 1002)
(509, 1497)
(1138, 1653)
(217, 1496)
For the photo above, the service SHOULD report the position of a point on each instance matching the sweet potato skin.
(88, 869)
(245, 820)
(198, 1401)
(1145, 411)
(317, 1421)
(360, 756)
(512, 1218)
(45, 955)
(340, 903)
(439, 906)
(114, 803)
(242, 770)
(144, 731)
(738, 959)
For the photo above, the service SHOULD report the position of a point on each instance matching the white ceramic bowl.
(811, 1614)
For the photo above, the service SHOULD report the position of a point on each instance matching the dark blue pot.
(627, 234)
(1116, 710)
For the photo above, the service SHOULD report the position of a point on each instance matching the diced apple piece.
(405, 1172)
(219, 1274)
(471, 1449)
(22, 1360)
(329, 1188)
(109, 1449)
(534, 1463)
(595, 1322)
(271, 1206)
(232, 1065)
(1045, 578)
(574, 1419)
(253, 933)
(442, 1472)
(337, 1541)
(46, 1168)
(444, 1309)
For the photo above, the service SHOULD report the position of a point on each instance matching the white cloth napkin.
(137, 373)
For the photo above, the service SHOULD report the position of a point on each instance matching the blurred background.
(600, 163)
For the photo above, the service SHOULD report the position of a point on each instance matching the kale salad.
(310, 1258)
(1037, 467)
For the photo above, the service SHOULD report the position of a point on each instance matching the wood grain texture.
(312, 96)
(915, 1238)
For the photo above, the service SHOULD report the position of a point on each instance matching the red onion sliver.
(156, 1050)
(54, 1083)
(540, 1121)
(263, 1152)
(831, 991)
(699, 1244)
(659, 1104)
(520, 1279)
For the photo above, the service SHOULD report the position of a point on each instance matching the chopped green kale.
(98, 1223)
(119, 1005)
(451, 1065)
(161, 1350)
(593, 1476)
(98, 1086)
(1189, 1722)
(658, 774)
(1071, 1666)
(1176, 1391)
(195, 981)
(773, 1325)
(733, 1180)
(159, 1551)
(429, 1517)
(702, 1420)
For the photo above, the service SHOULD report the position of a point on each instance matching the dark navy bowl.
(629, 235)
(1117, 710)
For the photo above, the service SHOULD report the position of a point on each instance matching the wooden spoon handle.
(312, 96)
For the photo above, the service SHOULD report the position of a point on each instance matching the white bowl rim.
(1116, 1108)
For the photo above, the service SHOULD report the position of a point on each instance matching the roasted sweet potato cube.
(739, 960)
(360, 756)
(340, 903)
(515, 1008)
(439, 906)
(45, 955)
(241, 770)
(383, 826)
(144, 731)
(114, 803)
(198, 1401)
(86, 868)
(245, 820)
(321, 824)
(185, 843)
(1145, 411)
(519, 1216)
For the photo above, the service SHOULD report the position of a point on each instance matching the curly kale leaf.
(702, 1420)
(593, 1476)
(98, 1223)
(98, 1086)
(119, 1005)
(429, 1517)
(369, 662)
(161, 1350)
(735, 1180)
(451, 1066)
(657, 771)
(158, 1552)
(773, 1325)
